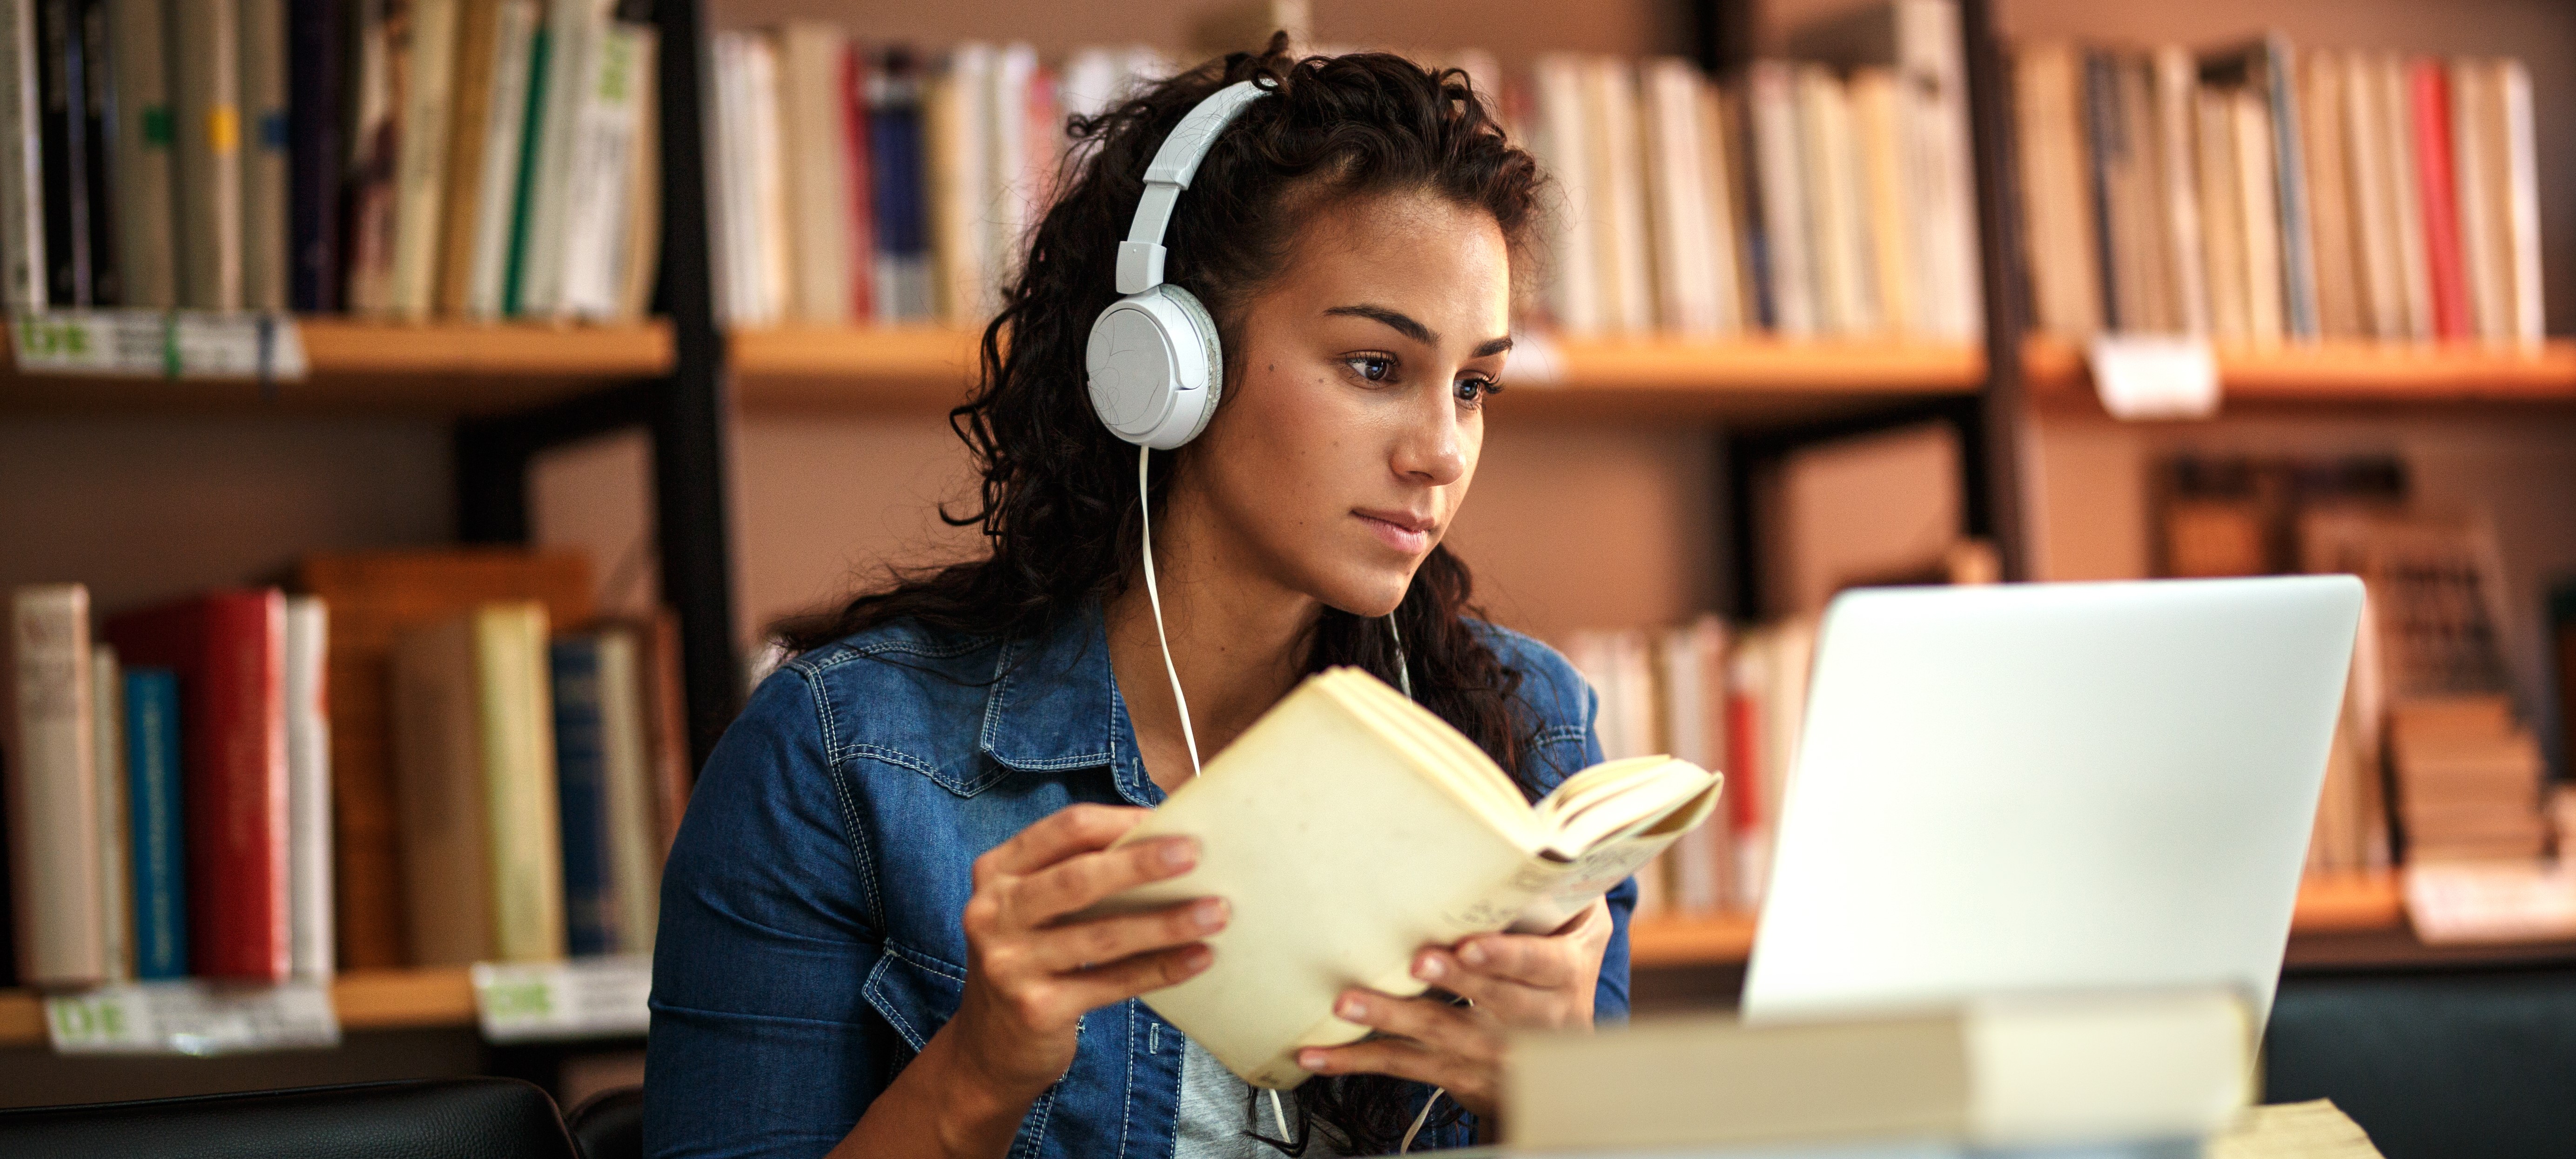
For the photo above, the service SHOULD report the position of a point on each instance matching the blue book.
(581, 784)
(159, 821)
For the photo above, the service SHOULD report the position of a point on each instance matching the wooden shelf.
(440, 368)
(2327, 905)
(367, 1000)
(926, 370)
(2343, 372)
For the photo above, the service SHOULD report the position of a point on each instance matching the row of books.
(2262, 194)
(1721, 697)
(856, 184)
(251, 785)
(399, 158)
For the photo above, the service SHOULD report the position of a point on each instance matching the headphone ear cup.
(1209, 345)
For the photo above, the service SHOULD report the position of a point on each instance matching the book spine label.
(158, 824)
(52, 790)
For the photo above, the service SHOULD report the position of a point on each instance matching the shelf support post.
(1991, 445)
(691, 412)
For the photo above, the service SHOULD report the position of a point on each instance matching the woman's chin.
(1371, 596)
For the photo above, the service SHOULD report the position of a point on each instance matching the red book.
(2430, 86)
(229, 650)
(854, 154)
(1743, 761)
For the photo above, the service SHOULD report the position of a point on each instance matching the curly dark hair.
(1056, 503)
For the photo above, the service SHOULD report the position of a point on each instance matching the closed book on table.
(53, 790)
(229, 651)
(375, 597)
(474, 766)
(158, 823)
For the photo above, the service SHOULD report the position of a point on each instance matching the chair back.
(470, 1118)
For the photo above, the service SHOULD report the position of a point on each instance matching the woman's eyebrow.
(1396, 320)
(1392, 319)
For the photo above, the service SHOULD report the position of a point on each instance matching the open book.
(1349, 828)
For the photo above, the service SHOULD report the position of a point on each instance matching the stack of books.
(2260, 194)
(414, 767)
(415, 158)
(876, 185)
(2468, 780)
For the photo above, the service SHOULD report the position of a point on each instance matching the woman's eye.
(1372, 367)
(1474, 391)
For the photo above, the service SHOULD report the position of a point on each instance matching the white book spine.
(774, 259)
(146, 248)
(1772, 105)
(571, 26)
(2258, 187)
(1933, 59)
(725, 182)
(308, 789)
(1838, 231)
(504, 132)
(1574, 291)
(1012, 187)
(53, 790)
(2522, 187)
(2480, 236)
(2177, 82)
(818, 188)
(2416, 276)
(1726, 258)
(420, 187)
(1623, 238)
(115, 877)
(602, 163)
(1683, 250)
(22, 212)
(2373, 203)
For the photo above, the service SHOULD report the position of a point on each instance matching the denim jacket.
(810, 937)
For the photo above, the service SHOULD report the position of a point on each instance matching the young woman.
(866, 946)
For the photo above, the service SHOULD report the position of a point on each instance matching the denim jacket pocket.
(914, 992)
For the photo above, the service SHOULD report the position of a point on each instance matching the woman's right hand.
(1031, 973)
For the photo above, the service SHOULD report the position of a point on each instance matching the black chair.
(610, 1124)
(473, 1118)
(2434, 1065)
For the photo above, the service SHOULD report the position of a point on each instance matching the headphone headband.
(1140, 257)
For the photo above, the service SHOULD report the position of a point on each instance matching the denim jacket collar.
(1055, 706)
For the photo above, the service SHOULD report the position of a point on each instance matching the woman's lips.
(1405, 533)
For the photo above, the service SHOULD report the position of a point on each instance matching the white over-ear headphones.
(1154, 363)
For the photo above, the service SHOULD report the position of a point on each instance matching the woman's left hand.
(1511, 980)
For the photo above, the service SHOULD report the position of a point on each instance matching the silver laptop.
(2052, 787)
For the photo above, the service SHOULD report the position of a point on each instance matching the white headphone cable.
(1145, 511)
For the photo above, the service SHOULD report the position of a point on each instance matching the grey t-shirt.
(1219, 1112)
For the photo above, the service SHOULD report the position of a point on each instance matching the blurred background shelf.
(2345, 372)
(366, 1000)
(437, 368)
(2337, 905)
(788, 369)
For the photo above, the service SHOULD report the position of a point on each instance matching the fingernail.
(1353, 1008)
(1178, 854)
(1473, 953)
(1209, 914)
(1310, 1059)
(1198, 957)
(1430, 968)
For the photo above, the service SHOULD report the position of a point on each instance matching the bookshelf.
(2338, 905)
(366, 367)
(905, 369)
(444, 995)
(2345, 372)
